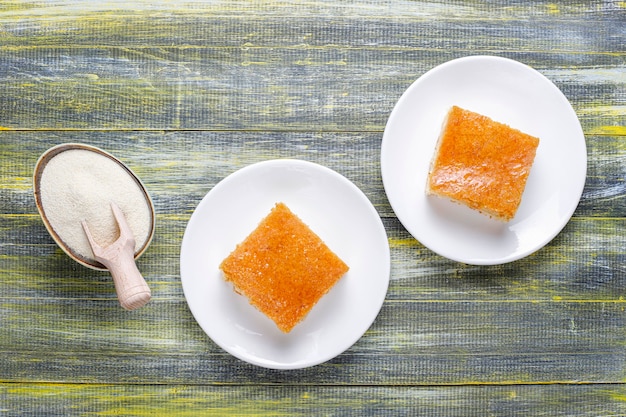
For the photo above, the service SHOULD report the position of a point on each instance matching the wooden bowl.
(39, 168)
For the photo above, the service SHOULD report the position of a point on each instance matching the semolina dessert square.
(283, 268)
(481, 163)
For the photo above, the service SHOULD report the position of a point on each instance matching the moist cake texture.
(481, 163)
(283, 268)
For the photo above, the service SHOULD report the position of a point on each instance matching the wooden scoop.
(119, 258)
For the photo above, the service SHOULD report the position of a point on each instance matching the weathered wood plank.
(281, 89)
(52, 400)
(60, 337)
(581, 26)
(318, 72)
(179, 168)
(585, 262)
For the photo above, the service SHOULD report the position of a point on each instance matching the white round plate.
(337, 211)
(509, 92)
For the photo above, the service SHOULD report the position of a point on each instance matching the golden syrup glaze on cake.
(481, 163)
(283, 268)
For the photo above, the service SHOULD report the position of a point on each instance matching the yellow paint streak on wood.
(616, 301)
(608, 130)
(618, 396)
(19, 215)
(174, 217)
(402, 242)
(553, 8)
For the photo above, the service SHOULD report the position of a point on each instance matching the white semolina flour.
(80, 185)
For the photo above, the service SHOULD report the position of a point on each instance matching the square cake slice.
(481, 163)
(283, 268)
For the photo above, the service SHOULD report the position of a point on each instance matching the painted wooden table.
(187, 92)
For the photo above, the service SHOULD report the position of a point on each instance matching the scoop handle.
(132, 290)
